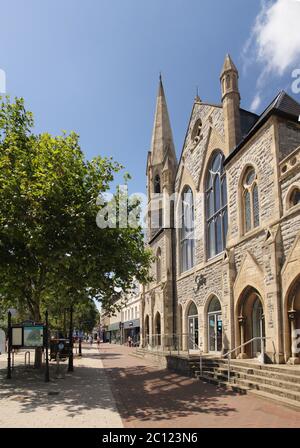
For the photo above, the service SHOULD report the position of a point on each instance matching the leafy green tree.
(50, 245)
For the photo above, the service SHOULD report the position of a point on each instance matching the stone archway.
(214, 325)
(192, 326)
(293, 315)
(251, 323)
(179, 335)
(147, 330)
(157, 330)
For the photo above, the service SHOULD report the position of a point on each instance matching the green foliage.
(51, 250)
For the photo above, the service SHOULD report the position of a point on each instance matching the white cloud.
(255, 103)
(274, 42)
(277, 35)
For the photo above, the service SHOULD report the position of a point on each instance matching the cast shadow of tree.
(160, 395)
(84, 389)
(141, 393)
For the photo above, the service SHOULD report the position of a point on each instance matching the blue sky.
(92, 66)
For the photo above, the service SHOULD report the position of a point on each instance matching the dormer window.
(196, 134)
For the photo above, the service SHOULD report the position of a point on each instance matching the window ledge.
(182, 275)
(293, 209)
(241, 238)
(251, 233)
(214, 259)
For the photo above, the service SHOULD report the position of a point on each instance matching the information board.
(17, 336)
(33, 336)
(2, 341)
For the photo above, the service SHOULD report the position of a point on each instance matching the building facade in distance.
(227, 246)
(125, 322)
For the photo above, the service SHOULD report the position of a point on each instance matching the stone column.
(242, 354)
(185, 339)
(272, 252)
(228, 318)
(295, 356)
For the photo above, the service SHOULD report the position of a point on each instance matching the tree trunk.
(38, 358)
(38, 350)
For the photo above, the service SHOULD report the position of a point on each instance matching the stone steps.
(287, 370)
(238, 378)
(139, 353)
(267, 381)
(265, 376)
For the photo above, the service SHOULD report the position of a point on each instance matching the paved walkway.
(148, 396)
(82, 399)
(113, 389)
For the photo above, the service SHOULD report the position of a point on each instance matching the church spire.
(162, 144)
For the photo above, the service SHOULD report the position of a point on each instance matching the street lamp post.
(47, 376)
(70, 366)
(79, 345)
(8, 376)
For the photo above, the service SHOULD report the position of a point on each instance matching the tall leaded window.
(251, 202)
(216, 206)
(156, 205)
(158, 265)
(187, 243)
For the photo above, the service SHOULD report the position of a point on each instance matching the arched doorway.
(214, 325)
(157, 329)
(147, 330)
(251, 323)
(179, 339)
(193, 330)
(294, 322)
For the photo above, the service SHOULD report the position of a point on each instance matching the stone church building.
(227, 247)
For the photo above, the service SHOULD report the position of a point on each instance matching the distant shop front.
(113, 334)
(131, 329)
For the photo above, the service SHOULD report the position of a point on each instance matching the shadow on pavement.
(147, 394)
(84, 389)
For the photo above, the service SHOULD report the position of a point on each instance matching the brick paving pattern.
(149, 396)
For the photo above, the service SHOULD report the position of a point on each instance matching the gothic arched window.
(157, 184)
(156, 205)
(158, 265)
(187, 229)
(216, 206)
(250, 200)
(197, 131)
(294, 197)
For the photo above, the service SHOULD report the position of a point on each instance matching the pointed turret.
(162, 139)
(231, 103)
(228, 65)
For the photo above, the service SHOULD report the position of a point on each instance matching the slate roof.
(283, 105)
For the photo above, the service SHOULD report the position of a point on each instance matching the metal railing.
(185, 343)
(228, 354)
(191, 339)
(174, 344)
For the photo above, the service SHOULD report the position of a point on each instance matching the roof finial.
(197, 98)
